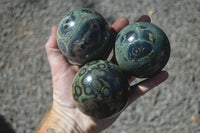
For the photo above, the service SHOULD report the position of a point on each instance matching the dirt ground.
(25, 78)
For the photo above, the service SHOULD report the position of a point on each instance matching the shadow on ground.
(5, 127)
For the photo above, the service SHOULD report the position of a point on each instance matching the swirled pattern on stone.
(100, 89)
(142, 49)
(83, 36)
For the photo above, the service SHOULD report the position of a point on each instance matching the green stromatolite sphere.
(100, 89)
(83, 36)
(142, 49)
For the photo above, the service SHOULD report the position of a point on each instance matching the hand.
(64, 108)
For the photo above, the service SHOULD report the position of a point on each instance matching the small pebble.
(194, 118)
(150, 13)
(156, 94)
(30, 92)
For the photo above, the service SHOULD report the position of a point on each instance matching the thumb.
(56, 60)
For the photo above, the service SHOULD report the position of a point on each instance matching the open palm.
(62, 76)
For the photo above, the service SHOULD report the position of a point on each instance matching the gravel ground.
(25, 81)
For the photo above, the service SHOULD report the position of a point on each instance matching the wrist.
(57, 121)
(65, 120)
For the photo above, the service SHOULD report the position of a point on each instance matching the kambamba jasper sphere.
(142, 49)
(100, 89)
(83, 36)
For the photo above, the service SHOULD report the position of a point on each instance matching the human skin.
(64, 116)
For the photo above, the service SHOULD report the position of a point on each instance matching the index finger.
(119, 24)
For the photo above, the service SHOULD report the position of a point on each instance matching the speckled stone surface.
(83, 36)
(142, 49)
(100, 89)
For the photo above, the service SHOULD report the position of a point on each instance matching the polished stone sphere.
(100, 89)
(142, 49)
(83, 36)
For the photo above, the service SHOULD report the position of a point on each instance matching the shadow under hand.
(5, 127)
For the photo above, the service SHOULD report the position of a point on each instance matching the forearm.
(54, 122)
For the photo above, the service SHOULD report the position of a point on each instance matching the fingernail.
(165, 74)
(143, 88)
(144, 18)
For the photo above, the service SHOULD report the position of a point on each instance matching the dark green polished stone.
(83, 36)
(100, 89)
(142, 49)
